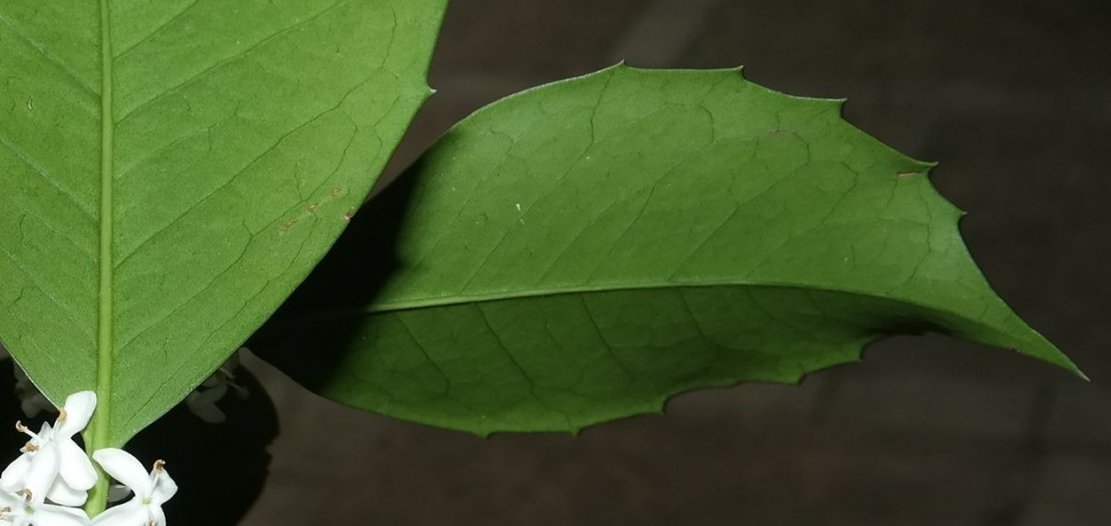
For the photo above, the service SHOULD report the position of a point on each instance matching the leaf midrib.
(459, 299)
(991, 329)
(98, 431)
(100, 424)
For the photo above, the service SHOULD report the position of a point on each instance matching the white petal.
(10, 500)
(79, 409)
(155, 515)
(42, 473)
(49, 515)
(76, 468)
(32, 406)
(202, 402)
(209, 414)
(212, 394)
(62, 493)
(164, 488)
(130, 513)
(14, 474)
(124, 468)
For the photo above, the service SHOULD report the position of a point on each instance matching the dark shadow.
(10, 439)
(220, 468)
(324, 314)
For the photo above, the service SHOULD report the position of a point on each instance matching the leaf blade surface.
(178, 168)
(583, 251)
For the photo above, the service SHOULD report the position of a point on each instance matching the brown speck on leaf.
(289, 226)
(337, 192)
(348, 215)
(312, 208)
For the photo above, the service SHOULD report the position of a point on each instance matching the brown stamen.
(26, 493)
(20, 427)
(62, 415)
(30, 447)
(159, 465)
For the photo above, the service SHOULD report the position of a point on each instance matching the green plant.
(570, 255)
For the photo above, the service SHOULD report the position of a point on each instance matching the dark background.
(1013, 98)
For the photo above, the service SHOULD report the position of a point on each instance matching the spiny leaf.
(582, 251)
(171, 171)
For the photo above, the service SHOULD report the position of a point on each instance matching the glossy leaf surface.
(582, 251)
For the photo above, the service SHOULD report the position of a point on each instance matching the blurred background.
(1012, 97)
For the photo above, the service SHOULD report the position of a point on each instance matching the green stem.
(97, 435)
(98, 496)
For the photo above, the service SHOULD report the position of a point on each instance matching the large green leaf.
(173, 169)
(582, 251)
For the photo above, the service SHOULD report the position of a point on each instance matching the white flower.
(52, 464)
(202, 401)
(25, 508)
(151, 490)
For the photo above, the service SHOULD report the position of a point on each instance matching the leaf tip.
(1035, 345)
(1067, 364)
(1062, 360)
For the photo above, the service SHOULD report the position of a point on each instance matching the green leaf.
(582, 251)
(173, 169)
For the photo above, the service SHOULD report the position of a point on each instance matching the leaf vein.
(88, 212)
(203, 73)
(52, 60)
(277, 143)
(157, 30)
(69, 314)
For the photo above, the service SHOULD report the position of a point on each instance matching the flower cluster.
(51, 479)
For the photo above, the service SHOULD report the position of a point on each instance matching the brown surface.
(1013, 97)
